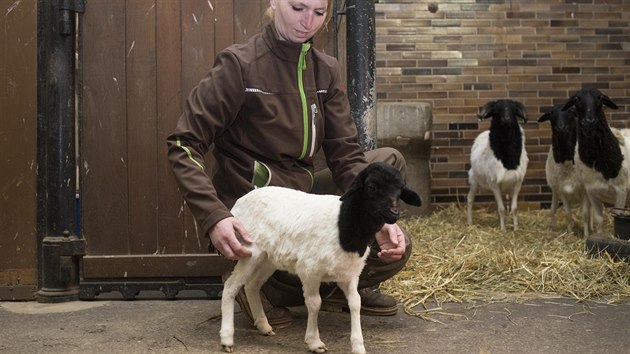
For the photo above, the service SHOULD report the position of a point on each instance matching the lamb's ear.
(571, 102)
(608, 102)
(410, 197)
(486, 110)
(521, 111)
(356, 185)
(545, 117)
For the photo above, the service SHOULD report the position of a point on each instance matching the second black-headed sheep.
(498, 160)
(560, 165)
(601, 157)
(320, 238)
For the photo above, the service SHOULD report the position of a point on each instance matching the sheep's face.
(588, 105)
(561, 121)
(503, 112)
(379, 187)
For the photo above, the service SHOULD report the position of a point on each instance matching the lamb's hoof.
(360, 350)
(268, 333)
(316, 345)
(264, 328)
(320, 349)
(227, 348)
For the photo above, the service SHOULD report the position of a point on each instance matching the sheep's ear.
(486, 110)
(608, 102)
(353, 188)
(521, 111)
(570, 103)
(410, 197)
(545, 117)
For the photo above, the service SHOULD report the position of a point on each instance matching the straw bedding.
(454, 262)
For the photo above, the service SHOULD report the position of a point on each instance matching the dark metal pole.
(361, 63)
(60, 249)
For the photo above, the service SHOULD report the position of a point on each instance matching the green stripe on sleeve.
(179, 143)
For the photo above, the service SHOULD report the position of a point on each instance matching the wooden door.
(140, 59)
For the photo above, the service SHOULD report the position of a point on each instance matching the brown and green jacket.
(264, 109)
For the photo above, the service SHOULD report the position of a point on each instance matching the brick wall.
(469, 52)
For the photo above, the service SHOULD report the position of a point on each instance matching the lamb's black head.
(503, 112)
(506, 137)
(378, 188)
(588, 105)
(563, 132)
(561, 120)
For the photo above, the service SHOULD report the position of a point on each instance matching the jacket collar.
(285, 50)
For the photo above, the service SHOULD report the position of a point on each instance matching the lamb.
(320, 238)
(498, 160)
(601, 157)
(560, 166)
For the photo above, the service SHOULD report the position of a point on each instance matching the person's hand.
(391, 240)
(223, 236)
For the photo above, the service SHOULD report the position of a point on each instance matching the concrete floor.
(192, 326)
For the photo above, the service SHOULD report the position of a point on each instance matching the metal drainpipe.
(361, 68)
(59, 250)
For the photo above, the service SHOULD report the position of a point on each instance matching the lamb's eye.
(371, 187)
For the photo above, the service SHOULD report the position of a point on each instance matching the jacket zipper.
(300, 72)
(300, 75)
(313, 128)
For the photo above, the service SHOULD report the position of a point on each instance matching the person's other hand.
(225, 236)
(391, 240)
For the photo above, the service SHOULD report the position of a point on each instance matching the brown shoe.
(373, 302)
(278, 317)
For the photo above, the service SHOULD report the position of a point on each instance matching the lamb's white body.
(600, 190)
(300, 237)
(486, 171)
(565, 186)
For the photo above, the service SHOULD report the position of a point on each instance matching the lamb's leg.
(598, 211)
(567, 210)
(554, 207)
(313, 302)
(514, 205)
(500, 207)
(354, 303)
(233, 284)
(620, 199)
(252, 290)
(586, 216)
(472, 192)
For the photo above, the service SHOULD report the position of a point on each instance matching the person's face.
(298, 20)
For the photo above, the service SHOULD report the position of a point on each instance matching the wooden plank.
(104, 129)
(142, 156)
(155, 266)
(324, 40)
(247, 23)
(19, 284)
(169, 108)
(224, 24)
(18, 144)
(197, 42)
(16, 277)
(17, 293)
(197, 57)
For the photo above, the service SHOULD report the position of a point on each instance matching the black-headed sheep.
(601, 157)
(560, 171)
(320, 238)
(498, 160)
